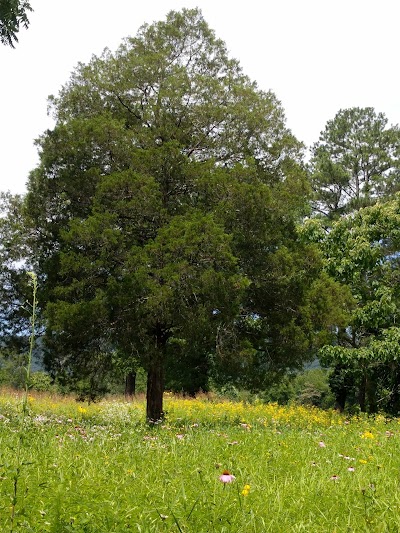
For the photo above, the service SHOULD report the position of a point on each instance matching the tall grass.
(97, 468)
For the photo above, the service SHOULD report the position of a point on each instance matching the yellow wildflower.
(246, 490)
(367, 435)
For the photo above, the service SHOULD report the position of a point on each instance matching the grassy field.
(97, 468)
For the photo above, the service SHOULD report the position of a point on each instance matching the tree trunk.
(394, 402)
(371, 394)
(155, 391)
(338, 385)
(340, 399)
(130, 384)
(362, 393)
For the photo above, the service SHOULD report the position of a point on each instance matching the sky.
(317, 56)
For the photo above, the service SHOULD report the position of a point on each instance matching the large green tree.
(355, 162)
(362, 251)
(165, 208)
(13, 15)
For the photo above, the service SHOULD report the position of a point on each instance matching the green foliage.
(14, 282)
(42, 382)
(165, 209)
(362, 251)
(12, 369)
(13, 15)
(308, 387)
(355, 162)
(312, 388)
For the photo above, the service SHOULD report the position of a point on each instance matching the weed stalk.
(24, 409)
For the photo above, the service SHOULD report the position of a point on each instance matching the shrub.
(42, 382)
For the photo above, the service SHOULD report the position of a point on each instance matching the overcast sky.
(318, 56)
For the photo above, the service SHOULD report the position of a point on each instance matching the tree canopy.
(355, 176)
(355, 162)
(14, 290)
(13, 16)
(362, 252)
(164, 210)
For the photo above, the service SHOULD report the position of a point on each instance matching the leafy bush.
(312, 388)
(42, 382)
(12, 370)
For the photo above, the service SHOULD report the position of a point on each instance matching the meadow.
(212, 465)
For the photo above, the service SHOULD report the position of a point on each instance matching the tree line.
(175, 226)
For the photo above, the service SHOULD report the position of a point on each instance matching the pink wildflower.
(226, 477)
(351, 469)
(322, 444)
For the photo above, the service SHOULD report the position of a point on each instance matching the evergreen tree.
(355, 162)
(165, 207)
